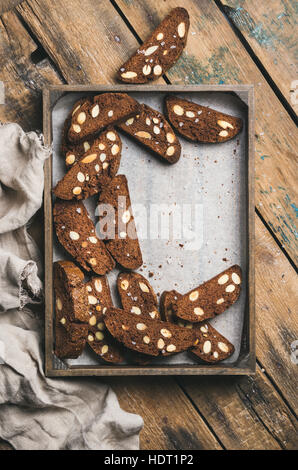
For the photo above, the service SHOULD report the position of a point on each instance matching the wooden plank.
(271, 34)
(276, 314)
(7, 5)
(170, 420)
(22, 79)
(215, 55)
(245, 413)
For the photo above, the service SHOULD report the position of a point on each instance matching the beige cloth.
(36, 412)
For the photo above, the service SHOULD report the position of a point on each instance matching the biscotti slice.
(151, 129)
(99, 338)
(94, 169)
(211, 298)
(212, 346)
(159, 52)
(64, 346)
(151, 337)
(100, 112)
(122, 242)
(137, 295)
(70, 151)
(199, 123)
(70, 292)
(76, 233)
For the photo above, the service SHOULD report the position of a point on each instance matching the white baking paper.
(210, 179)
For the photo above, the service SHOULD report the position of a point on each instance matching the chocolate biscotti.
(65, 348)
(151, 129)
(151, 337)
(199, 123)
(137, 295)
(211, 298)
(120, 231)
(95, 169)
(159, 52)
(212, 346)
(76, 233)
(100, 112)
(99, 338)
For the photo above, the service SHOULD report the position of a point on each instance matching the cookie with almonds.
(212, 347)
(137, 295)
(76, 233)
(122, 241)
(147, 336)
(99, 112)
(99, 339)
(94, 169)
(151, 129)
(211, 298)
(70, 151)
(199, 123)
(159, 52)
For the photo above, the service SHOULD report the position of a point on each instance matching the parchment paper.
(211, 176)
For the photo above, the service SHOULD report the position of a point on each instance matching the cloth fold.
(36, 412)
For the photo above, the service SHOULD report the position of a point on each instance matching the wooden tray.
(245, 364)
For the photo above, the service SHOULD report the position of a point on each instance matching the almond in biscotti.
(199, 123)
(99, 338)
(76, 233)
(94, 169)
(137, 295)
(147, 336)
(99, 112)
(159, 52)
(211, 346)
(152, 130)
(211, 298)
(123, 242)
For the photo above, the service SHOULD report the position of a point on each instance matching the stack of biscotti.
(71, 314)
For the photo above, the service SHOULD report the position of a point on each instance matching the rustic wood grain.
(7, 5)
(170, 420)
(215, 55)
(245, 413)
(276, 314)
(92, 46)
(22, 79)
(271, 34)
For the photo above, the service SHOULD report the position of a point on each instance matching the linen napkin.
(36, 412)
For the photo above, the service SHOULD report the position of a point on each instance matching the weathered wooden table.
(230, 41)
